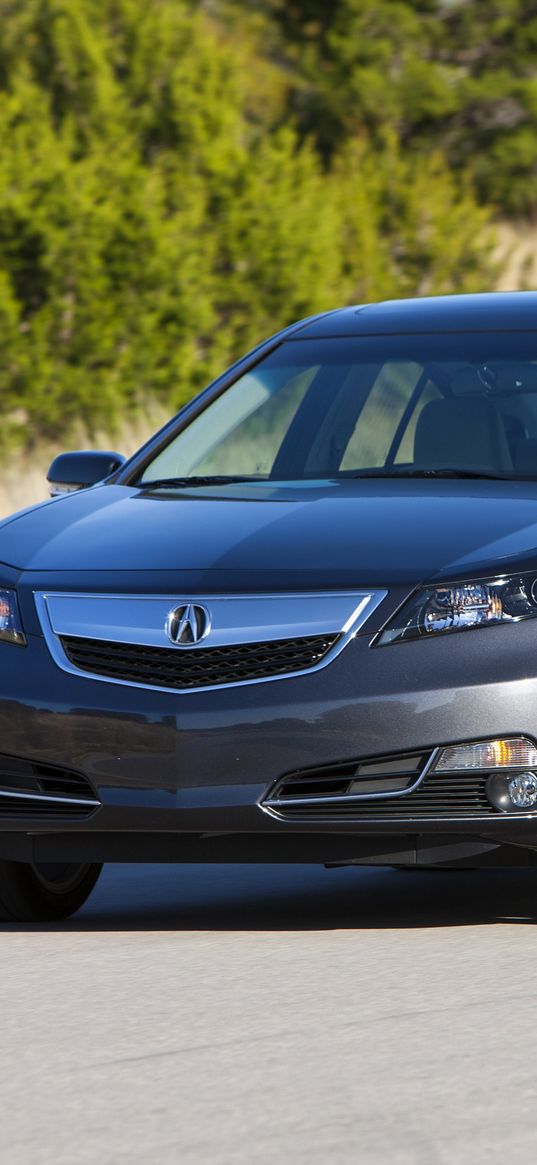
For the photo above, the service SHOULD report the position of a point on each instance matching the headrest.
(525, 457)
(462, 433)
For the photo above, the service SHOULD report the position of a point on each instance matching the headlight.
(462, 606)
(10, 621)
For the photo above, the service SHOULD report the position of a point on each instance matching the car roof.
(491, 311)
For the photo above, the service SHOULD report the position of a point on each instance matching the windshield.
(379, 406)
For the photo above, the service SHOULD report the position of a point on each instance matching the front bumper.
(174, 771)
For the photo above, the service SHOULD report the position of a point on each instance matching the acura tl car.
(299, 625)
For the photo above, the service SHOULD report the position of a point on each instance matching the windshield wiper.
(207, 479)
(235, 478)
(447, 472)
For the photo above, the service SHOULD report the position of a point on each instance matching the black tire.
(46, 892)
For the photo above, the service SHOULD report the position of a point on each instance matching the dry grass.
(24, 475)
(516, 253)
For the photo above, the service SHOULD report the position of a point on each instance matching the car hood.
(368, 532)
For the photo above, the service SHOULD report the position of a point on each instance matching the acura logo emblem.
(188, 625)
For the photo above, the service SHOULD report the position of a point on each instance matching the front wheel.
(44, 891)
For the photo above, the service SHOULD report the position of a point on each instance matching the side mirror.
(73, 471)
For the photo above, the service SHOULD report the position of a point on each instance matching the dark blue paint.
(375, 532)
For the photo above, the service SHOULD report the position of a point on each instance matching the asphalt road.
(230, 1015)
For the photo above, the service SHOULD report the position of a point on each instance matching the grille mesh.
(201, 667)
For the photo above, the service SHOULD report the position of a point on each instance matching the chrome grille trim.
(46, 797)
(236, 620)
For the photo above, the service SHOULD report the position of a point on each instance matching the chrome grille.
(118, 638)
(163, 667)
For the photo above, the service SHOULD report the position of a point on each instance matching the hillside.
(178, 179)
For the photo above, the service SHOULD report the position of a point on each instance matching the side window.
(371, 440)
(405, 452)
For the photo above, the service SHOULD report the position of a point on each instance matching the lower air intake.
(33, 789)
(408, 790)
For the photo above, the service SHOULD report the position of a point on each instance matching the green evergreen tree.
(162, 208)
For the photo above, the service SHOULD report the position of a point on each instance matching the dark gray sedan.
(298, 625)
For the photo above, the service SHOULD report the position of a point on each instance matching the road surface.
(245, 1015)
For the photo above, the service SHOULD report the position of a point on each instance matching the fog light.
(522, 790)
